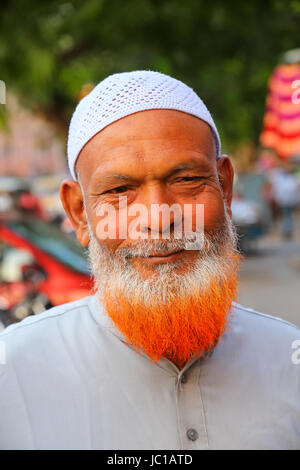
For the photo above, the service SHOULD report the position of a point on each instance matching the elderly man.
(159, 356)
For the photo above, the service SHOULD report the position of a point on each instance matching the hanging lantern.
(281, 124)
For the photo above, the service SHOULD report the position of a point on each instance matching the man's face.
(153, 158)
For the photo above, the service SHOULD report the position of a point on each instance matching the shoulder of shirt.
(64, 309)
(268, 319)
(44, 318)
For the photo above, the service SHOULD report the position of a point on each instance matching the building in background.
(29, 146)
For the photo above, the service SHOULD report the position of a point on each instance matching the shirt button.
(192, 434)
(183, 379)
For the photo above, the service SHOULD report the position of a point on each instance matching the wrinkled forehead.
(163, 138)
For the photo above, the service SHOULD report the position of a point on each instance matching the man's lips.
(157, 258)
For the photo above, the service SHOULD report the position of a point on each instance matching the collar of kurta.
(102, 318)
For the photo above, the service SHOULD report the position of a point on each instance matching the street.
(270, 277)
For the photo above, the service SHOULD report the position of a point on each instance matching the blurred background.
(243, 59)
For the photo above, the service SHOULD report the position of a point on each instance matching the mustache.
(147, 248)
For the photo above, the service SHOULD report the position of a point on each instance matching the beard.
(181, 309)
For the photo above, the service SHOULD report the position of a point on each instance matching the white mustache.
(147, 248)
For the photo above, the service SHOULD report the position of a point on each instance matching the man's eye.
(118, 190)
(189, 178)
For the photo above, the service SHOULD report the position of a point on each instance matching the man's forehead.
(163, 137)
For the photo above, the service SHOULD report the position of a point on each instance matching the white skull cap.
(126, 93)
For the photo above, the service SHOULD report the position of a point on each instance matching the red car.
(57, 273)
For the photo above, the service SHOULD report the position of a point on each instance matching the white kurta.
(71, 382)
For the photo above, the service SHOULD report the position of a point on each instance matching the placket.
(190, 409)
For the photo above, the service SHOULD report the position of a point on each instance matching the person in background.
(286, 192)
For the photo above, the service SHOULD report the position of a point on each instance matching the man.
(286, 193)
(159, 356)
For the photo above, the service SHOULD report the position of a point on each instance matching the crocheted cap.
(122, 94)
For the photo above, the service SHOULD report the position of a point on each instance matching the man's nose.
(157, 202)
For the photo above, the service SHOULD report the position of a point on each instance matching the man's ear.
(226, 174)
(72, 199)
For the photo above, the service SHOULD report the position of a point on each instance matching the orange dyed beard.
(181, 309)
(179, 330)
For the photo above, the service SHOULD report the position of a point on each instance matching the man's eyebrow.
(118, 176)
(100, 178)
(191, 165)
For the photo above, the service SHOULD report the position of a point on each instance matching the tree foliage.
(224, 50)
